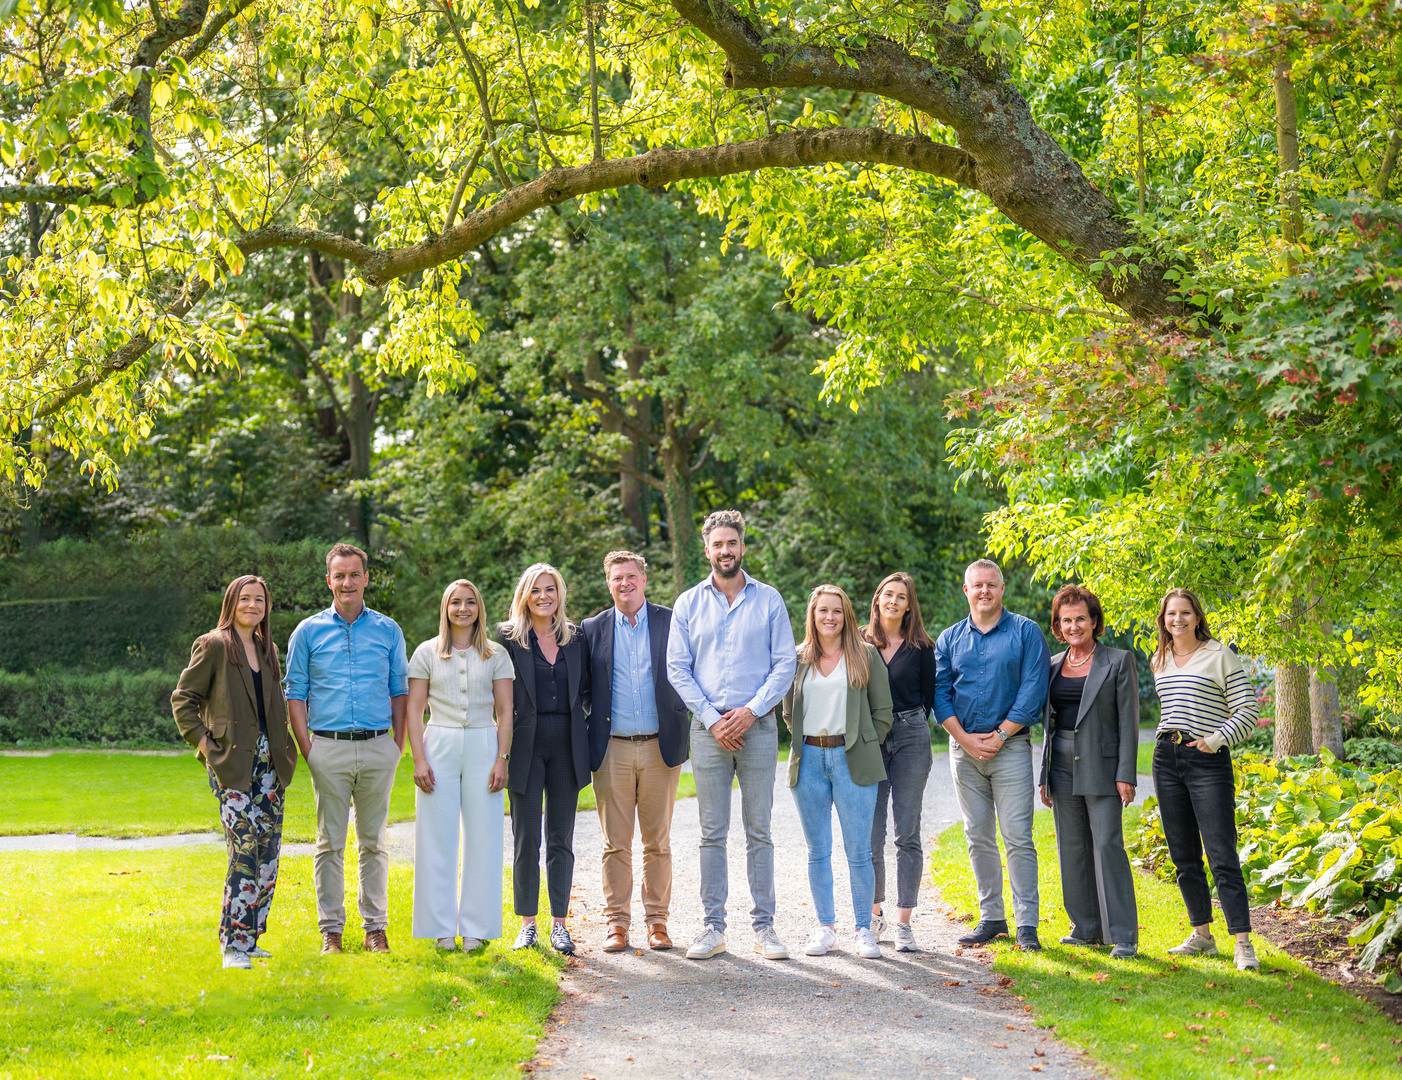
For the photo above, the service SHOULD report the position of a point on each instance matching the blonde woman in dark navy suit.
(1089, 771)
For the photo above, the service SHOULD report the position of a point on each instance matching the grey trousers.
(346, 773)
(713, 768)
(997, 795)
(906, 755)
(1097, 883)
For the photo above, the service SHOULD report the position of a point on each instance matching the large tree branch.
(1021, 168)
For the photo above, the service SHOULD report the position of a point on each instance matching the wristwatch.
(504, 757)
(1002, 735)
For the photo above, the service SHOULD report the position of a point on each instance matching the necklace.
(1079, 663)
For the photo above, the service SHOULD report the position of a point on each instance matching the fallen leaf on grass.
(1100, 977)
(219, 1057)
(1170, 1034)
(1323, 1046)
(1004, 980)
(1195, 1027)
(1119, 999)
(141, 1020)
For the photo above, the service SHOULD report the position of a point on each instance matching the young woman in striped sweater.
(1208, 706)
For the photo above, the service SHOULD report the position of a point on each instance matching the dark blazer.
(1107, 726)
(576, 658)
(215, 698)
(868, 722)
(673, 723)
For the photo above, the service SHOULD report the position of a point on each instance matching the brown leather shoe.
(330, 943)
(376, 941)
(617, 939)
(658, 938)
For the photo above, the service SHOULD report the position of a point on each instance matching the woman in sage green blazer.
(838, 710)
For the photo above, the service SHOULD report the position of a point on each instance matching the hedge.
(57, 707)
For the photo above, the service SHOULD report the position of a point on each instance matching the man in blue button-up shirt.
(347, 686)
(730, 656)
(991, 673)
(637, 743)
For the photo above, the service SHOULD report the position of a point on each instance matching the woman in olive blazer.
(838, 710)
(229, 706)
(549, 760)
(1089, 771)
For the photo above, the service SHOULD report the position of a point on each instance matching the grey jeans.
(906, 755)
(713, 766)
(997, 795)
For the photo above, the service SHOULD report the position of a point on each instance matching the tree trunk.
(1287, 144)
(1389, 163)
(688, 562)
(1326, 721)
(359, 417)
(632, 494)
(1292, 711)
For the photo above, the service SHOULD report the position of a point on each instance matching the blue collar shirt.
(723, 656)
(634, 696)
(347, 672)
(982, 679)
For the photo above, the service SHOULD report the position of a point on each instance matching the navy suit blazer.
(673, 725)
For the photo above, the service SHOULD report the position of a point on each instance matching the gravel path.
(658, 1015)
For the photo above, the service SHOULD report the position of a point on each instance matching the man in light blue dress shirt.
(347, 687)
(730, 655)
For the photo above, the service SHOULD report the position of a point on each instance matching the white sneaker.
(878, 926)
(447, 944)
(235, 959)
(710, 942)
(867, 948)
(822, 940)
(905, 938)
(259, 953)
(768, 945)
(1195, 944)
(1246, 957)
(470, 943)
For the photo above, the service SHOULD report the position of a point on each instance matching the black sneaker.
(1027, 939)
(560, 939)
(526, 938)
(985, 931)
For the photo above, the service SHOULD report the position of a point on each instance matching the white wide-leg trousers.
(449, 902)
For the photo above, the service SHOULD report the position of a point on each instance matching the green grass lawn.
(114, 971)
(122, 794)
(1159, 1016)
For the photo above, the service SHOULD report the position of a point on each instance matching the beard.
(729, 573)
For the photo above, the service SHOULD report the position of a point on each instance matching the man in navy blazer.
(638, 731)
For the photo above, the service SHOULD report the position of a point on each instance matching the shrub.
(56, 706)
(1314, 833)
(1374, 754)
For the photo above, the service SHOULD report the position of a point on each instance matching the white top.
(460, 688)
(825, 701)
(1208, 695)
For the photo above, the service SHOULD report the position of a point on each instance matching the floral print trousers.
(252, 823)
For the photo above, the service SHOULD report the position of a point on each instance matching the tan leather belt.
(827, 741)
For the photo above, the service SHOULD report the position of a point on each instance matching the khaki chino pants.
(361, 774)
(635, 783)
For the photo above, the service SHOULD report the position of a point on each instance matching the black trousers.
(552, 781)
(1197, 800)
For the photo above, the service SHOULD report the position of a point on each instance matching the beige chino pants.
(345, 774)
(634, 783)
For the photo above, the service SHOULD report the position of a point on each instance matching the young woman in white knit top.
(1208, 705)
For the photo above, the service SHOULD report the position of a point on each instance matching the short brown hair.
(1076, 594)
(613, 558)
(341, 550)
(723, 519)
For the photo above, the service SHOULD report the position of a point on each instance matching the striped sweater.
(1207, 695)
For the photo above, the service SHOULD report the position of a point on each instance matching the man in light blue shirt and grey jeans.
(730, 655)
(347, 686)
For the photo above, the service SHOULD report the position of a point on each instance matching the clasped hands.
(984, 746)
(730, 729)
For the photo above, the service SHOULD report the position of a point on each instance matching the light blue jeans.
(713, 768)
(824, 782)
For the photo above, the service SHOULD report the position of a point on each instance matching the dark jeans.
(1097, 884)
(1197, 800)
(552, 781)
(906, 755)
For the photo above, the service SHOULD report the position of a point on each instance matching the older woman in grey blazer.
(1088, 773)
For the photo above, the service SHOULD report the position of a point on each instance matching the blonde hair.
(854, 649)
(517, 627)
(480, 641)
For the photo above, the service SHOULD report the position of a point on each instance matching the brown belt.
(828, 741)
(634, 738)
